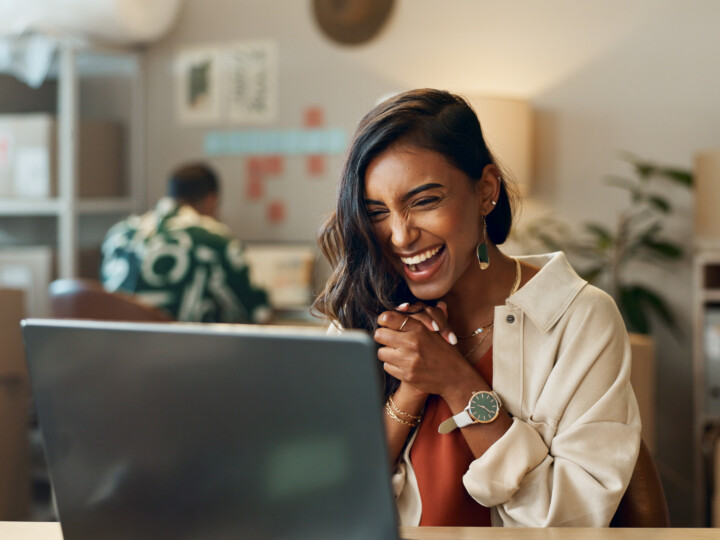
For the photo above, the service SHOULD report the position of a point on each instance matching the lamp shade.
(507, 127)
(707, 195)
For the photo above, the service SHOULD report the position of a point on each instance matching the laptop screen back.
(211, 431)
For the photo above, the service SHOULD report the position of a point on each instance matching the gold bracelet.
(395, 417)
(392, 403)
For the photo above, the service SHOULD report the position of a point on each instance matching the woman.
(507, 380)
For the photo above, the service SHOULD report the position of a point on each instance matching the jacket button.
(510, 319)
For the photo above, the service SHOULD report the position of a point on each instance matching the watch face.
(483, 407)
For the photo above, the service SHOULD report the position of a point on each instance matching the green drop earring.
(482, 249)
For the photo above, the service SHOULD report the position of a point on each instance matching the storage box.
(14, 450)
(29, 269)
(28, 157)
(284, 270)
(642, 379)
(12, 353)
(14, 411)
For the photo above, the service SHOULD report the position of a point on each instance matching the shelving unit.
(67, 208)
(72, 219)
(706, 299)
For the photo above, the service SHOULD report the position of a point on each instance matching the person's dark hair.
(193, 182)
(363, 283)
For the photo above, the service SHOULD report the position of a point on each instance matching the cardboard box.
(284, 270)
(642, 379)
(12, 352)
(14, 450)
(14, 410)
(29, 269)
(28, 157)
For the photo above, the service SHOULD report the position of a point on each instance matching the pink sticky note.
(316, 165)
(273, 165)
(254, 187)
(313, 117)
(276, 212)
(255, 166)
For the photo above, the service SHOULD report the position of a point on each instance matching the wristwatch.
(483, 408)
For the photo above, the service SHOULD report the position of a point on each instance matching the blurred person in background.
(178, 257)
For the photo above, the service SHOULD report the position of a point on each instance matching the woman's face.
(426, 215)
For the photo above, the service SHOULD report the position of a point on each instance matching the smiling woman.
(537, 426)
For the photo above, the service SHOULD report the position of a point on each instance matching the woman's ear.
(489, 189)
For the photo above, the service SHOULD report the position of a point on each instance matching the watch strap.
(463, 418)
(460, 420)
(447, 425)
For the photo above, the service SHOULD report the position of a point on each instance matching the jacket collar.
(555, 277)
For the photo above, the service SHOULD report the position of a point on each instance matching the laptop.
(159, 431)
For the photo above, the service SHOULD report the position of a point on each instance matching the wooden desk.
(470, 533)
(28, 530)
(51, 531)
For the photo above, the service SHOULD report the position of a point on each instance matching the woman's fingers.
(394, 320)
(418, 311)
(439, 315)
(434, 319)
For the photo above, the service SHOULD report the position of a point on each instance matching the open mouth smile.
(422, 264)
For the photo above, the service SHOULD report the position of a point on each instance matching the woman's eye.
(426, 201)
(375, 214)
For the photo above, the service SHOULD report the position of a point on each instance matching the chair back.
(644, 503)
(87, 299)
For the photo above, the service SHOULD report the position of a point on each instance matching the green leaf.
(549, 242)
(600, 232)
(637, 301)
(660, 203)
(592, 274)
(633, 312)
(679, 176)
(623, 183)
(666, 249)
(646, 169)
(652, 300)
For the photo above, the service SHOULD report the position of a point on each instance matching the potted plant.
(603, 255)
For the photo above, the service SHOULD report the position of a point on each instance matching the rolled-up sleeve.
(569, 462)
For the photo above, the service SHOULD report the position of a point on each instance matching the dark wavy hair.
(363, 282)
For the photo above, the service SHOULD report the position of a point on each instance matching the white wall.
(640, 76)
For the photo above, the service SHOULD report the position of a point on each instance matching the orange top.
(440, 461)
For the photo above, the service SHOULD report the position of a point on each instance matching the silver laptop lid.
(211, 431)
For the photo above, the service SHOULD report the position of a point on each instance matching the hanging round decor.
(351, 22)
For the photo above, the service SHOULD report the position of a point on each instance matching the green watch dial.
(484, 407)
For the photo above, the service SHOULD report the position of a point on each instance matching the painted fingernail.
(435, 326)
(453, 338)
(404, 305)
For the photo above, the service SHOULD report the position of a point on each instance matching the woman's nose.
(403, 232)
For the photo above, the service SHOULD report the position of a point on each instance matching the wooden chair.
(86, 299)
(644, 503)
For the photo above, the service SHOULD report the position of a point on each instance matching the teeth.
(417, 259)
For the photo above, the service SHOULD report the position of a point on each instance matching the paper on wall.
(6, 148)
(252, 80)
(32, 172)
(197, 88)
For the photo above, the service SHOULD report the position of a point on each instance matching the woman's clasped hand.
(422, 353)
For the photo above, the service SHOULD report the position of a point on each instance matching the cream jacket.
(561, 365)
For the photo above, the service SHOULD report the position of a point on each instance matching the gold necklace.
(489, 327)
(467, 354)
(478, 331)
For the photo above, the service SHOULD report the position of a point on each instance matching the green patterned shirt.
(187, 264)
